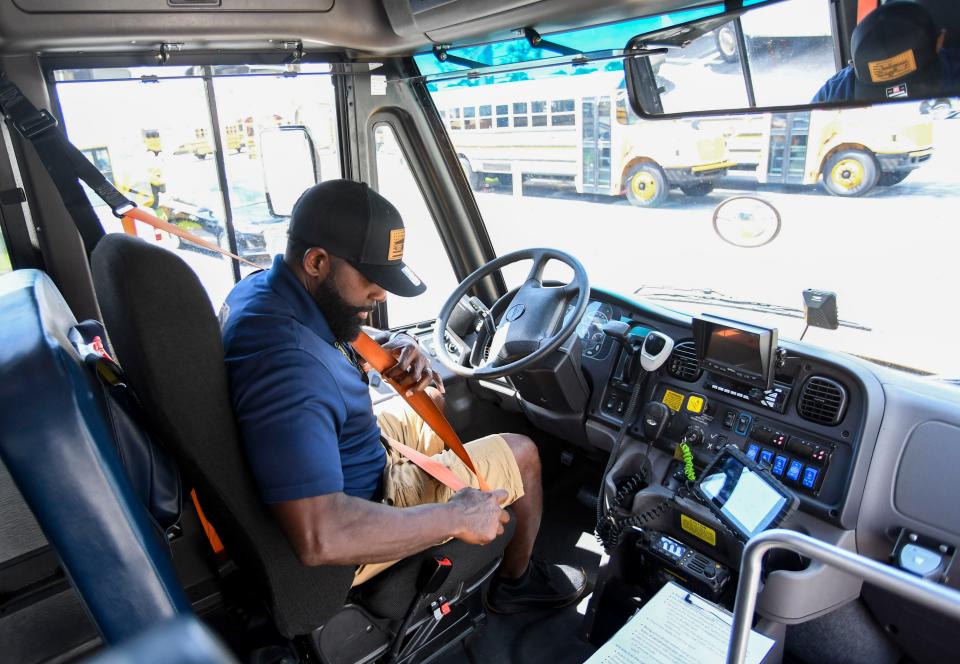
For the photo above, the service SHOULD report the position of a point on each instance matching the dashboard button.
(743, 424)
(810, 476)
(729, 418)
(779, 465)
(793, 472)
(752, 451)
(766, 457)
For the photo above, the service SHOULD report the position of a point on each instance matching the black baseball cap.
(895, 54)
(352, 221)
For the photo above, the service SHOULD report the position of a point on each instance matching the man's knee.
(525, 452)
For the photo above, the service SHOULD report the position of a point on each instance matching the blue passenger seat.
(56, 442)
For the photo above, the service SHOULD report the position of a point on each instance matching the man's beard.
(341, 316)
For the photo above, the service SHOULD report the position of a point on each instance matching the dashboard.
(870, 452)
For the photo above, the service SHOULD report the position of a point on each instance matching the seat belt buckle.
(440, 608)
(433, 572)
(32, 127)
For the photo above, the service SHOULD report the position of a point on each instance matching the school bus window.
(520, 114)
(561, 113)
(503, 115)
(469, 115)
(485, 121)
(538, 110)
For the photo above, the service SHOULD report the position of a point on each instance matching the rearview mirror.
(790, 55)
(289, 166)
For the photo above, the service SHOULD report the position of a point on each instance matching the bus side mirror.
(289, 163)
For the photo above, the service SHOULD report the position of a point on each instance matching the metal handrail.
(936, 597)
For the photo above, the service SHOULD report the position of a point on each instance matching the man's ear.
(316, 263)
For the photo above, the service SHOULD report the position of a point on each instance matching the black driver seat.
(164, 331)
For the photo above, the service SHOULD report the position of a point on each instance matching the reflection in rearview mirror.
(289, 166)
(789, 54)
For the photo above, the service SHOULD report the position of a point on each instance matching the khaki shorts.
(405, 485)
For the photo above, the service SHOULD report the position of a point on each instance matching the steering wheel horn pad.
(525, 332)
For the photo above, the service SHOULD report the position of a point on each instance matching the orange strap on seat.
(381, 360)
(430, 466)
(142, 215)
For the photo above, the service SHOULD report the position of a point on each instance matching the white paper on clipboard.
(677, 627)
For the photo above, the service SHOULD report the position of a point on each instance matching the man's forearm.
(343, 530)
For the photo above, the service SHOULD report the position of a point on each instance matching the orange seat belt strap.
(146, 217)
(211, 534)
(429, 465)
(422, 404)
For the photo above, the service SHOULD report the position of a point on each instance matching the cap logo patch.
(395, 252)
(893, 68)
(897, 91)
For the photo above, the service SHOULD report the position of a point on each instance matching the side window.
(165, 155)
(251, 108)
(159, 156)
(423, 251)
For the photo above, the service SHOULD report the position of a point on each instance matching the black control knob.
(692, 436)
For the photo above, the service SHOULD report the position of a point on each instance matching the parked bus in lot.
(590, 138)
(842, 149)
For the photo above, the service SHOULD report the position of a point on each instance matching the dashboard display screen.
(742, 495)
(735, 348)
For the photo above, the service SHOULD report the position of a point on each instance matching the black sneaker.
(543, 586)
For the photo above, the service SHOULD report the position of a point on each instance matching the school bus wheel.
(646, 185)
(851, 172)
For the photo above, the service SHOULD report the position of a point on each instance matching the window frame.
(397, 121)
(205, 63)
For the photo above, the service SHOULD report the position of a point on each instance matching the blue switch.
(766, 458)
(810, 476)
(779, 465)
(793, 472)
(752, 451)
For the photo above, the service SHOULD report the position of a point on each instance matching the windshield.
(862, 202)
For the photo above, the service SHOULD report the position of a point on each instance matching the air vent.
(683, 362)
(822, 400)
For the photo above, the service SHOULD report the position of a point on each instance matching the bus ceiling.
(363, 27)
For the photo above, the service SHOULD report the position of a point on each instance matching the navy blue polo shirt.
(304, 410)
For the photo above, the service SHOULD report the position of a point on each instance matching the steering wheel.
(526, 329)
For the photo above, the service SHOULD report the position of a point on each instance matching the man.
(307, 422)
(897, 53)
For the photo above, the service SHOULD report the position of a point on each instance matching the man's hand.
(412, 370)
(480, 515)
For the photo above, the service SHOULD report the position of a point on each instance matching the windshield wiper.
(710, 296)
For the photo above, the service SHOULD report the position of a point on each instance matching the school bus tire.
(646, 185)
(851, 172)
(474, 179)
(727, 46)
